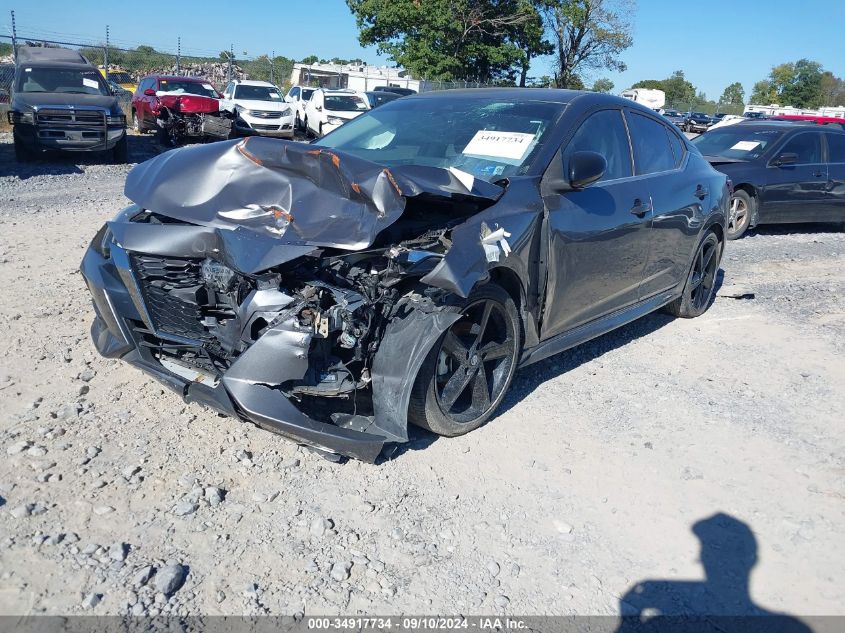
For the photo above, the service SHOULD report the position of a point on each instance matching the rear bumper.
(237, 394)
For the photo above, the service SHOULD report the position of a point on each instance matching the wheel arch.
(752, 191)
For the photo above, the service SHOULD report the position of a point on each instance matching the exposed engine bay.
(299, 295)
(181, 116)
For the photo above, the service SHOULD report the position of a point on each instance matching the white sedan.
(327, 110)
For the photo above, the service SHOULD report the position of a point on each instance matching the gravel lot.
(116, 497)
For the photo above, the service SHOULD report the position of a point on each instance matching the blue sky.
(723, 41)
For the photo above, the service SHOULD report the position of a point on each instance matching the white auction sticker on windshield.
(746, 146)
(510, 145)
(90, 83)
(208, 86)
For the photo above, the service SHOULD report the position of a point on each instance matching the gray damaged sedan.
(402, 268)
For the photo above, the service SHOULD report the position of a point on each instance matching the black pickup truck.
(60, 101)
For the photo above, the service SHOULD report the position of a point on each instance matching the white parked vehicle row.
(260, 107)
(297, 97)
(327, 110)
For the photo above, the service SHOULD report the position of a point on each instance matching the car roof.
(776, 124)
(199, 80)
(38, 54)
(252, 82)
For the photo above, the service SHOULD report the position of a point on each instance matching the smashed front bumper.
(122, 329)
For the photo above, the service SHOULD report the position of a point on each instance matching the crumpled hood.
(330, 199)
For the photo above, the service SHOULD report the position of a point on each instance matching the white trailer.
(652, 98)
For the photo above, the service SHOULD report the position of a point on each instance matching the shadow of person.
(722, 601)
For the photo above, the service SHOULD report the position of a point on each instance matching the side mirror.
(318, 108)
(787, 158)
(585, 168)
(149, 92)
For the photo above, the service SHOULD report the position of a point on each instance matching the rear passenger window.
(652, 152)
(806, 146)
(677, 146)
(836, 147)
(604, 133)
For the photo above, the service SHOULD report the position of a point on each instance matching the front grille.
(266, 114)
(262, 126)
(173, 292)
(48, 116)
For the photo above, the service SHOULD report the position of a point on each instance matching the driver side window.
(806, 146)
(604, 133)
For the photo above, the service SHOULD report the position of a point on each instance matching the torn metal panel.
(504, 235)
(406, 342)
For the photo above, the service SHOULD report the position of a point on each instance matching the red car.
(146, 105)
(178, 108)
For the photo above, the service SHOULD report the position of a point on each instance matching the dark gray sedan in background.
(403, 267)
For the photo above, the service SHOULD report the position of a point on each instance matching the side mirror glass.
(318, 108)
(787, 158)
(149, 92)
(585, 168)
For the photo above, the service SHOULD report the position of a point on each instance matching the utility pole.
(178, 55)
(229, 68)
(106, 54)
(14, 38)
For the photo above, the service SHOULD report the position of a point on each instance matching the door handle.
(701, 192)
(818, 174)
(640, 209)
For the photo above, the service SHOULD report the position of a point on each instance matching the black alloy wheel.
(701, 281)
(466, 375)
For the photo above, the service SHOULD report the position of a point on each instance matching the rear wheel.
(297, 123)
(468, 371)
(701, 281)
(742, 205)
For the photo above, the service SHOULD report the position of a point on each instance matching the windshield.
(486, 138)
(191, 87)
(257, 93)
(345, 103)
(86, 82)
(698, 115)
(734, 142)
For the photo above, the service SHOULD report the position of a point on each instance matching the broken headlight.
(116, 120)
(26, 116)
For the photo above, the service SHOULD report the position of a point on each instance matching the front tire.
(22, 152)
(742, 207)
(120, 152)
(466, 374)
(700, 286)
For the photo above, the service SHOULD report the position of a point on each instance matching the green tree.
(587, 35)
(311, 59)
(447, 39)
(798, 84)
(530, 39)
(734, 94)
(679, 91)
(763, 93)
(832, 89)
(602, 85)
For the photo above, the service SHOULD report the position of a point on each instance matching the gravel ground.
(116, 497)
